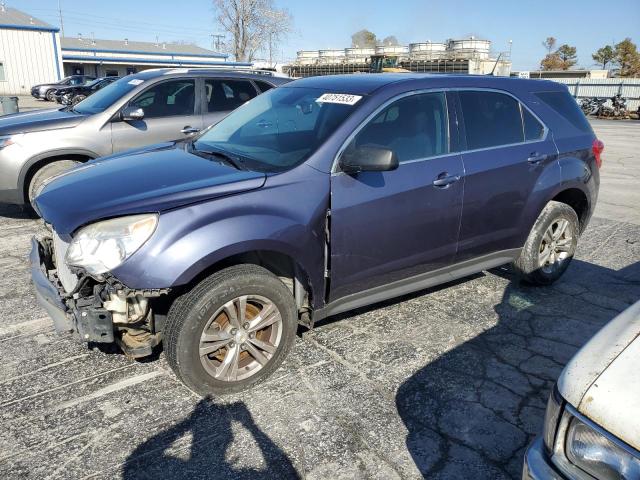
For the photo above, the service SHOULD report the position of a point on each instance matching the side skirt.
(416, 283)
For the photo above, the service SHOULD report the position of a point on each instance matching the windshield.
(279, 129)
(105, 97)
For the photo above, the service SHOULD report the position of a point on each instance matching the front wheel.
(50, 95)
(231, 331)
(550, 246)
(77, 99)
(46, 172)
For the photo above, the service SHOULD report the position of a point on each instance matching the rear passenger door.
(222, 96)
(169, 113)
(507, 149)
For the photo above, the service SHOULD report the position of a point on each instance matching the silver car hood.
(38, 120)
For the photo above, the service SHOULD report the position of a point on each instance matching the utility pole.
(215, 41)
(60, 14)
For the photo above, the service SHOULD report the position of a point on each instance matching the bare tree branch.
(254, 26)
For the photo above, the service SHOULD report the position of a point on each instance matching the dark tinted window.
(564, 104)
(414, 127)
(491, 119)
(263, 86)
(533, 129)
(226, 95)
(167, 99)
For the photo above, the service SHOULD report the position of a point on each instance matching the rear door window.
(533, 129)
(263, 86)
(565, 105)
(225, 95)
(491, 119)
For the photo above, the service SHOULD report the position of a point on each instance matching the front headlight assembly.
(102, 246)
(598, 453)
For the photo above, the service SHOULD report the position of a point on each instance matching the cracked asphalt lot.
(449, 382)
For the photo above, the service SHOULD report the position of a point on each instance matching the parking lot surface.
(449, 382)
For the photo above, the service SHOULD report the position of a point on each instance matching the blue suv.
(318, 197)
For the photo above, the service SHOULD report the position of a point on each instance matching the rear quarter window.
(564, 105)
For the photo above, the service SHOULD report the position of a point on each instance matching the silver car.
(149, 107)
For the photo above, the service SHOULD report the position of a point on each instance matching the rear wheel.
(231, 331)
(550, 246)
(46, 172)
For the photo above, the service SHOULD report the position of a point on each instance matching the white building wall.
(29, 57)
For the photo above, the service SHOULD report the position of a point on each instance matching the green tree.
(364, 39)
(604, 56)
(628, 58)
(568, 56)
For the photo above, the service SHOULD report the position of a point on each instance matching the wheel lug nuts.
(252, 335)
(246, 326)
(243, 346)
(234, 331)
(232, 344)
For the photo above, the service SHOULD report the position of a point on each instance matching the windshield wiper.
(226, 157)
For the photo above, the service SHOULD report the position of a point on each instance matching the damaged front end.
(97, 309)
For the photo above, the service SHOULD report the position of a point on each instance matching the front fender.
(285, 216)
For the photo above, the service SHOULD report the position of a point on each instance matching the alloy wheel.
(240, 338)
(555, 246)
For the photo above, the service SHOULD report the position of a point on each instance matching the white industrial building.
(29, 52)
(32, 52)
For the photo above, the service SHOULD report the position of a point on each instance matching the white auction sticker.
(135, 81)
(342, 98)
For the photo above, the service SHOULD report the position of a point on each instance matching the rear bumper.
(537, 464)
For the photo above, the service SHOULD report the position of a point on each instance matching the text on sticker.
(342, 98)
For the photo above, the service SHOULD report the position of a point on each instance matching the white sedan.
(592, 423)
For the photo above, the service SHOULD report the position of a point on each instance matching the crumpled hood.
(602, 380)
(153, 179)
(37, 120)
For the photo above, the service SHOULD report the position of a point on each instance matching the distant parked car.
(149, 107)
(45, 91)
(321, 196)
(592, 423)
(73, 94)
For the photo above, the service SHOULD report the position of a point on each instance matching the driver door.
(169, 112)
(391, 225)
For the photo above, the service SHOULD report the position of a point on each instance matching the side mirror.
(131, 114)
(368, 159)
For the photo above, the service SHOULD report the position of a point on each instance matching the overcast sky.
(585, 24)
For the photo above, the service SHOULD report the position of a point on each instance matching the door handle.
(535, 158)
(189, 130)
(444, 180)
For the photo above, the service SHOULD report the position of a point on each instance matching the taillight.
(597, 147)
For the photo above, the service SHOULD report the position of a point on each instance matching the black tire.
(528, 265)
(190, 314)
(49, 95)
(46, 172)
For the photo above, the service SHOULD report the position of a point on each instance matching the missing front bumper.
(88, 322)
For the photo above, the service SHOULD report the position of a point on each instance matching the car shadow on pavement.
(211, 451)
(472, 412)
